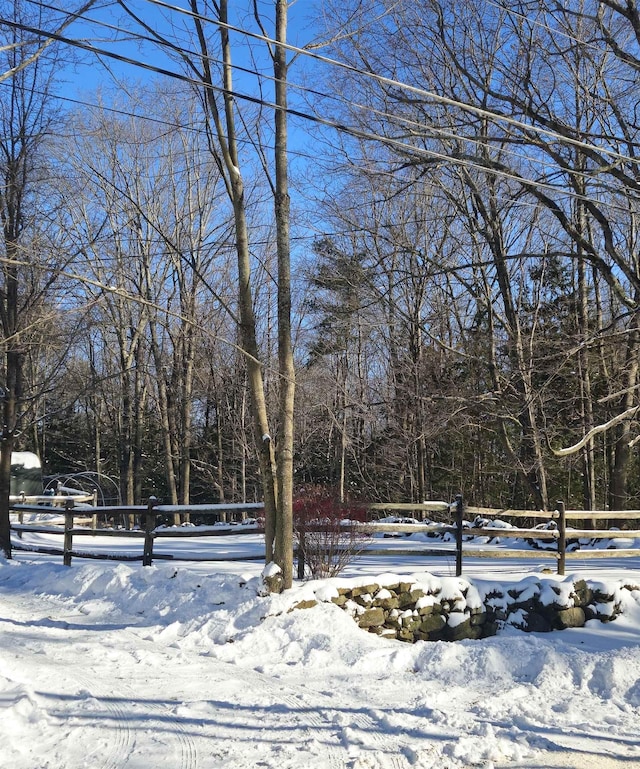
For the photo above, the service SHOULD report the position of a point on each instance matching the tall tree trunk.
(621, 450)
(284, 444)
(529, 459)
(586, 395)
(13, 362)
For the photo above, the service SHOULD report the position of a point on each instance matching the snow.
(27, 459)
(188, 665)
(271, 569)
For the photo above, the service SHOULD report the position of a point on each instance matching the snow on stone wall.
(452, 609)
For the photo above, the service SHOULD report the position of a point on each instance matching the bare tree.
(29, 64)
(528, 106)
(30, 38)
(223, 117)
(153, 192)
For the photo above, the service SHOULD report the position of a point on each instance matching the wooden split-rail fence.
(454, 520)
(148, 516)
(559, 533)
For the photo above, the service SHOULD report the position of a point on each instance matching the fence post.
(562, 538)
(68, 535)
(149, 526)
(301, 546)
(459, 510)
(21, 515)
(94, 517)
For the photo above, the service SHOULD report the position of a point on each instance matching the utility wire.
(480, 111)
(447, 101)
(546, 27)
(381, 172)
(340, 127)
(368, 136)
(440, 132)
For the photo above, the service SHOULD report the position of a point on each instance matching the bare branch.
(597, 430)
(71, 17)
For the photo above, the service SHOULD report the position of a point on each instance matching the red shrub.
(329, 533)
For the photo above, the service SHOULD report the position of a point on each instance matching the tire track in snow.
(274, 706)
(374, 741)
(58, 690)
(108, 754)
(383, 748)
(280, 722)
(355, 730)
(158, 715)
(298, 700)
(77, 700)
(309, 737)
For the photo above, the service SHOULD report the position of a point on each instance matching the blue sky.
(100, 29)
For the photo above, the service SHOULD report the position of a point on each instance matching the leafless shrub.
(329, 534)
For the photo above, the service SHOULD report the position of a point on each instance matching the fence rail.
(149, 515)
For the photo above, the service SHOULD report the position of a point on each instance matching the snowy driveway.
(116, 667)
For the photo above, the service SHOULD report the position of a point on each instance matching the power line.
(357, 133)
(480, 111)
(447, 101)
(536, 23)
(311, 91)
(441, 132)
(296, 153)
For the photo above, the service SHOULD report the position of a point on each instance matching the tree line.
(463, 303)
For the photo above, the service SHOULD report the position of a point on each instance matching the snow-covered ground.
(182, 665)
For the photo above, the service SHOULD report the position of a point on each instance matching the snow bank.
(168, 667)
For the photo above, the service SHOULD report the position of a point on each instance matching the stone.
(605, 612)
(387, 603)
(371, 617)
(463, 631)
(413, 614)
(601, 597)
(274, 583)
(339, 600)
(582, 594)
(364, 589)
(537, 623)
(478, 618)
(460, 629)
(528, 605)
(573, 617)
(409, 598)
(434, 622)
(489, 629)
(308, 604)
(364, 599)
(384, 632)
(411, 623)
(404, 600)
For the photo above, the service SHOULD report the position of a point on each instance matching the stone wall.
(452, 609)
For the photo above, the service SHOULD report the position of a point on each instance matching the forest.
(465, 258)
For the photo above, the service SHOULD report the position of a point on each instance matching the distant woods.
(465, 310)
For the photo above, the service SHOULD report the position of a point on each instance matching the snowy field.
(186, 665)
